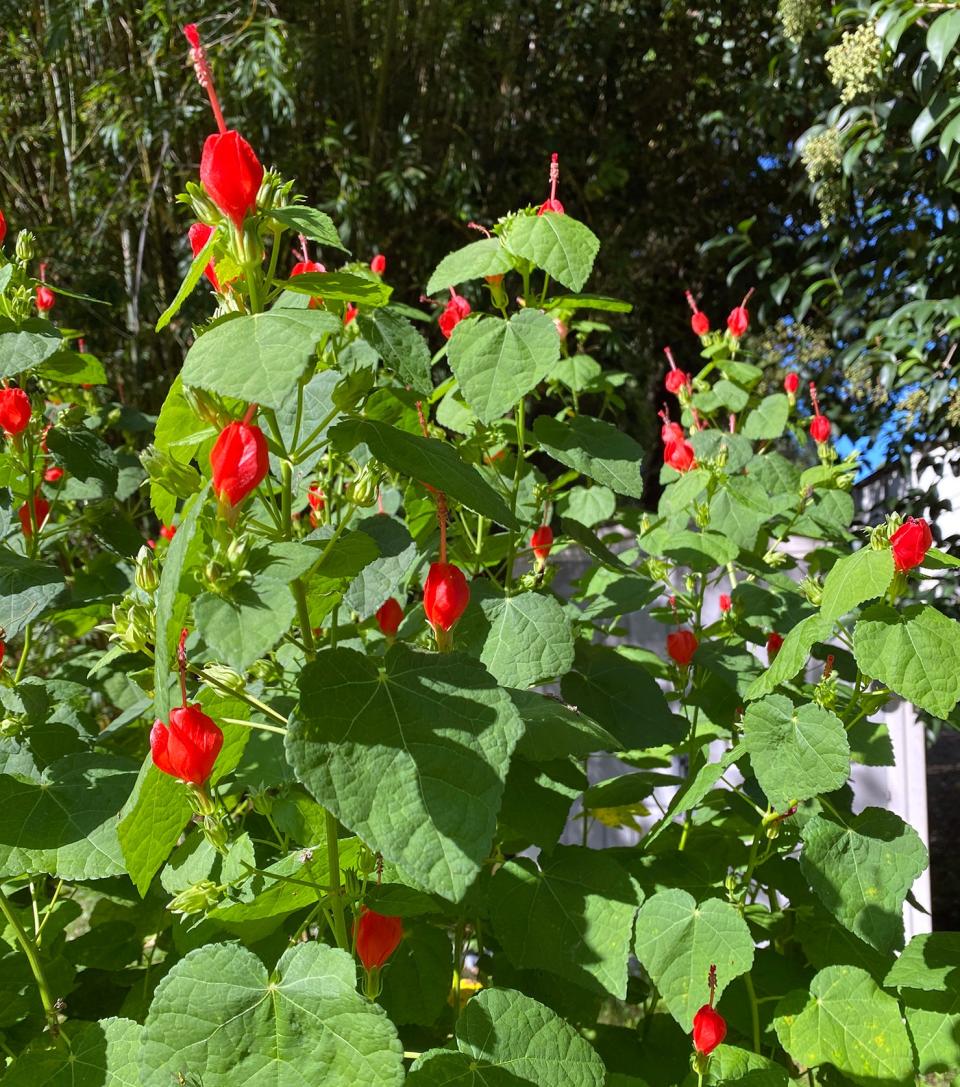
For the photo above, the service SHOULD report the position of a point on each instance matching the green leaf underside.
(436, 727)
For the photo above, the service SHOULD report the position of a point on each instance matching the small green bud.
(237, 552)
(812, 590)
(146, 577)
(25, 249)
(204, 406)
(197, 898)
(363, 490)
(180, 480)
(225, 677)
(204, 208)
(252, 246)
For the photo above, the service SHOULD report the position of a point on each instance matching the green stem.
(242, 695)
(286, 879)
(332, 827)
(254, 724)
(754, 1011)
(25, 652)
(36, 967)
(520, 414)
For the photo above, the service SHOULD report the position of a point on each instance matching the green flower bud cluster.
(854, 63)
(798, 18)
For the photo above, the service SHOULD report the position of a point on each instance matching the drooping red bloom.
(231, 173)
(454, 311)
(910, 543)
(681, 645)
(820, 428)
(709, 1030)
(45, 298)
(676, 380)
(378, 937)
(41, 509)
(349, 314)
(725, 602)
(168, 531)
(389, 617)
(541, 541)
(445, 594)
(304, 267)
(379, 264)
(192, 35)
(14, 410)
(699, 322)
(199, 235)
(774, 642)
(3, 227)
(739, 319)
(672, 433)
(53, 474)
(679, 456)
(552, 203)
(791, 383)
(188, 747)
(239, 461)
(315, 497)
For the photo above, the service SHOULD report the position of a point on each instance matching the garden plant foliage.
(255, 828)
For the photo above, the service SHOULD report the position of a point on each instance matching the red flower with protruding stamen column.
(552, 203)
(454, 311)
(699, 322)
(819, 424)
(739, 319)
(709, 1026)
(677, 380)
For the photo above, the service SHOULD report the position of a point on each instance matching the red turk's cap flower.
(199, 235)
(725, 602)
(239, 462)
(739, 320)
(305, 266)
(910, 543)
(820, 428)
(774, 642)
(445, 594)
(541, 541)
(709, 1030)
(53, 475)
(41, 510)
(45, 298)
(315, 496)
(3, 227)
(454, 311)
(791, 383)
(14, 410)
(672, 433)
(168, 531)
(389, 617)
(188, 747)
(231, 173)
(676, 379)
(552, 203)
(679, 456)
(379, 264)
(349, 314)
(192, 35)
(700, 323)
(681, 645)
(377, 938)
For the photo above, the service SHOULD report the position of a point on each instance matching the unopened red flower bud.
(305, 267)
(168, 531)
(700, 323)
(188, 747)
(45, 298)
(199, 235)
(672, 433)
(389, 617)
(820, 428)
(445, 595)
(53, 474)
(791, 383)
(231, 173)
(725, 602)
(774, 642)
(738, 322)
(681, 645)
(192, 35)
(676, 380)
(41, 510)
(379, 264)
(315, 497)
(349, 314)
(454, 311)
(709, 1030)
(541, 541)
(377, 938)
(910, 543)
(14, 410)
(239, 462)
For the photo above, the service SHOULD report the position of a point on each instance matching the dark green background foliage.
(408, 120)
